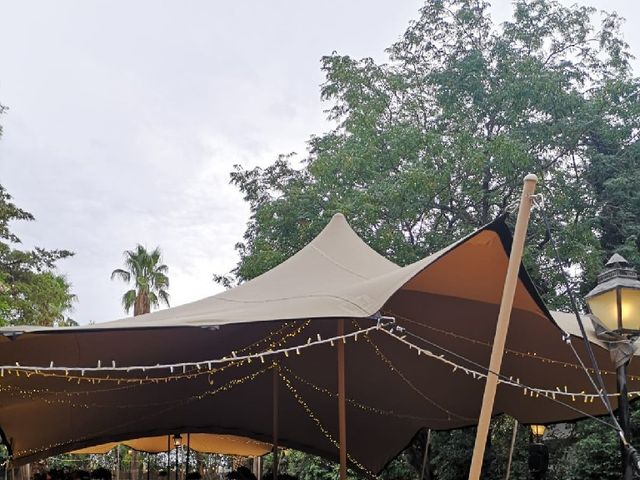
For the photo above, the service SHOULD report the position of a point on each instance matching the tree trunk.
(134, 465)
(141, 305)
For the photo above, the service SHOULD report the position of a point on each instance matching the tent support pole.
(342, 413)
(186, 468)
(425, 457)
(513, 444)
(502, 325)
(168, 457)
(276, 385)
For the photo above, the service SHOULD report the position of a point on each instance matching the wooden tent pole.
(168, 457)
(275, 419)
(502, 326)
(342, 413)
(425, 457)
(186, 468)
(513, 445)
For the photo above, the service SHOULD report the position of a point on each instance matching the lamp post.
(538, 453)
(615, 307)
(177, 441)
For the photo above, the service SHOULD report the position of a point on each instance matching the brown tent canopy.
(198, 442)
(449, 299)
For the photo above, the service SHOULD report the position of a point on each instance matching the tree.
(435, 142)
(150, 283)
(150, 280)
(31, 292)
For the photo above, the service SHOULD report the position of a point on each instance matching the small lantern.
(538, 431)
(177, 440)
(615, 301)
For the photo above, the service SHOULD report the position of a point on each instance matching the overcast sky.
(126, 118)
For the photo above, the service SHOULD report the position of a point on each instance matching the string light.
(184, 365)
(238, 361)
(132, 382)
(517, 353)
(532, 392)
(29, 394)
(355, 403)
(319, 424)
(393, 368)
(480, 375)
(135, 381)
(231, 384)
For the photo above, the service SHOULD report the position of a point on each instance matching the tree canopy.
(31, 290)
(435, 142)
(149, 277)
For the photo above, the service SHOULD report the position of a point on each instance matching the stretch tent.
(449, 299)
(198, 442)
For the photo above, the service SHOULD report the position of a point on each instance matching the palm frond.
(153, 299)
(121, 274)
(164, 296)
(128, 299)
(160, 281)
(162, 268)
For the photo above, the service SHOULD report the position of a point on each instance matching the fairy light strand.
(153, 413)
(311, 414)
(410, 384)
(355, 403)
(396, 332)
(207, 393)
(477, 375)
(187, 374)
(17, 368)
(517, 353)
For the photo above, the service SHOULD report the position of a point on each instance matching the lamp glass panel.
(538, 430)
(605, 307)
(630, 308)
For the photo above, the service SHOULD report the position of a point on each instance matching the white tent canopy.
(450, 300)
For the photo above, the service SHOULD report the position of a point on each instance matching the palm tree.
(149, 276)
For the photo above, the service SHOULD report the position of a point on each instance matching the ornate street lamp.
(615, 301)
(538, 453)
(615, 307)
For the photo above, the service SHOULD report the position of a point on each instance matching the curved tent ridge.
(338, 275)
